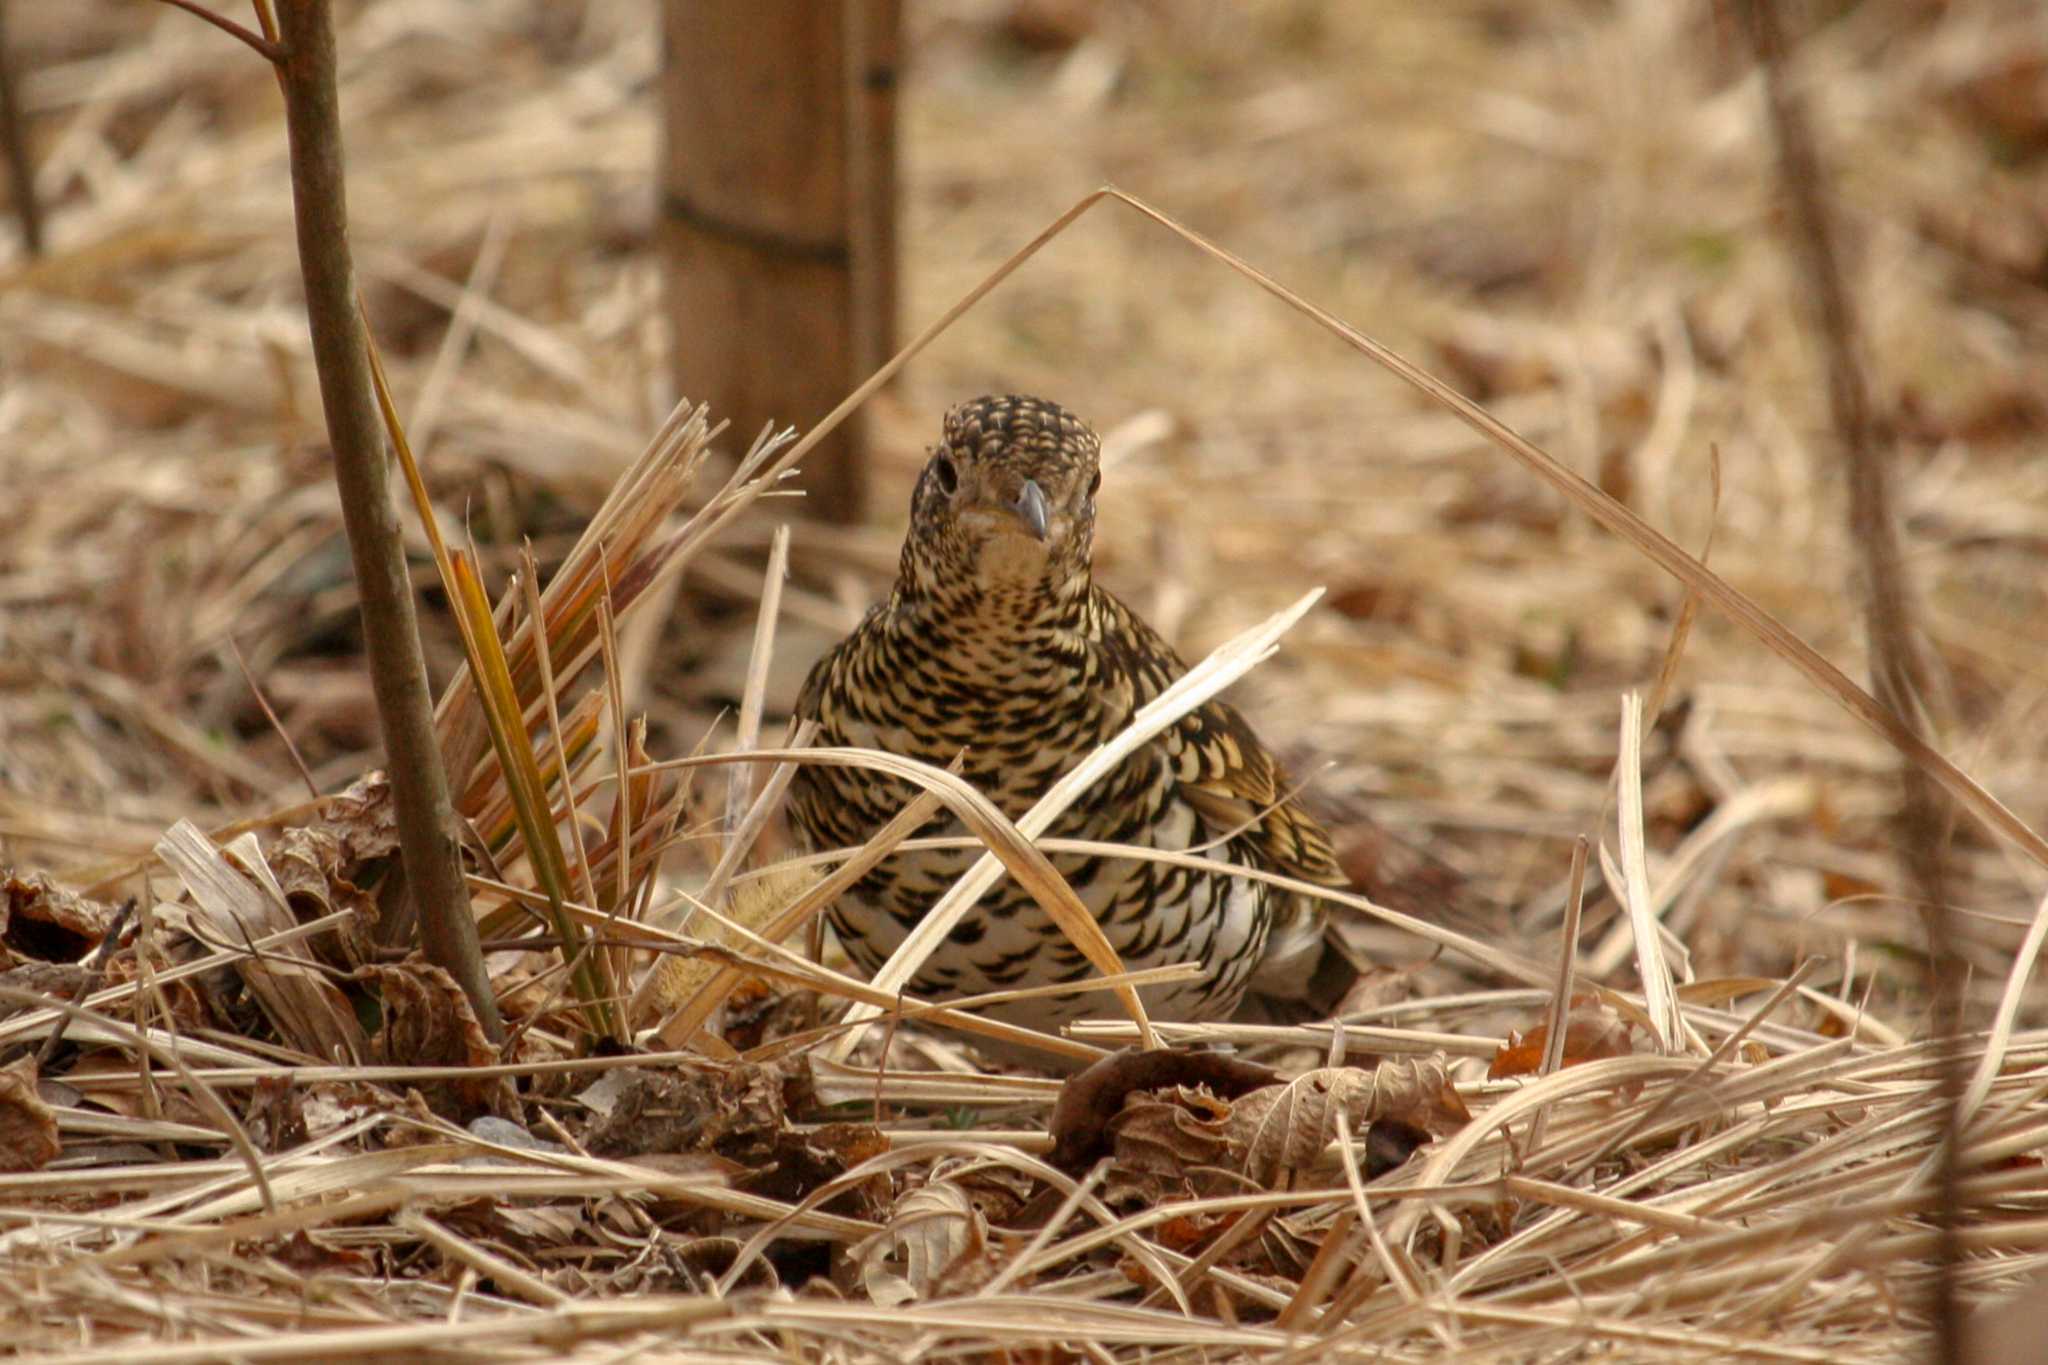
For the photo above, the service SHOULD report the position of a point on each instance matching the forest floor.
(1570, 213)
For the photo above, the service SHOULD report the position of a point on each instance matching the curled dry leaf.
(733, 1111)
(1288, 1127)
(1591, 1032)
(1166, 1132)
(428, 1021)
(42, 922)
(934, 1231)
(1093, 1097)
(1171, 1134)
(316, 865)
(28, 1127)
(740, 1113)
(803, 1159)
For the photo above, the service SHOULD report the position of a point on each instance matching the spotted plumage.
(997, 647)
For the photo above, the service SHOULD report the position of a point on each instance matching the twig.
(428, 845)
(291, 749)
(1567, 963)
(263, 47)
(21, 171)
(1898, 672)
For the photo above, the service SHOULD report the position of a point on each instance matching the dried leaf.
(428, 1021)
(934, 1230)
(734, 1111)
(1591, 1032)
(316, 865)
(1185, 1232)
(28, 1127)
(1167, 1131)
(1091, 1099)
(42, 922)
(739, 1113)
(800, 1161)
(1287, 1128)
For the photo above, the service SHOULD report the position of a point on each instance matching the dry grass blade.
(689, 1016)
(1009, 849)
(1660, 998)
(774, 961)
(694, 993)
(201, 1092)
(2023, 964)
(529, 587)
(748, 733)
(304, 1006)
(529, 793)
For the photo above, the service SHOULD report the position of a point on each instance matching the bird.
(996, 648)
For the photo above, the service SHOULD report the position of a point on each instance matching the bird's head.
(1006, 504)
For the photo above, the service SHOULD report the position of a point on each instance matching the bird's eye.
(1095, 483)
(948, 477)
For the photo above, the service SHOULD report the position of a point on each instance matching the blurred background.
(1568, 211)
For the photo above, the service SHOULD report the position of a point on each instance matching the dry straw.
(1755, 1183)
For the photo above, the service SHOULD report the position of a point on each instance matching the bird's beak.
(1032, 508)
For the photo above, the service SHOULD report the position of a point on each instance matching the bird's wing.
(1234, 782)
(810, 702)
(1225, 771)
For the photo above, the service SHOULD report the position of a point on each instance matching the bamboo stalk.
(777, 213)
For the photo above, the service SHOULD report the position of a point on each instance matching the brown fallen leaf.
(235, 901)
(933, 1232)
(1188, 1139)
(734, 1111)
(1168, 1132)
(28, 1127)
(800, 1160)
(1591, 1032)
(740, 1113)
(42, 922)
(317, 865)
(1288, 1128)
(1091, 1098)
(428, 1021)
